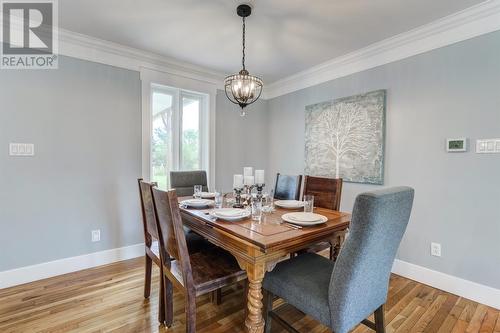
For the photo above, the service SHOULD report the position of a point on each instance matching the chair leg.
(169, 302)
(268, 306)
(147, 277)
(380, 320)
(161, 299)
(190, 312)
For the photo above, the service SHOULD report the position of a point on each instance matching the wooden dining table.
(259, 246)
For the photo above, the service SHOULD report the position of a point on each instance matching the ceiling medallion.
(242, 88)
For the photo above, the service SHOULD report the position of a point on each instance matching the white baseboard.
(67, 265)
(464, 288)
(452, 284)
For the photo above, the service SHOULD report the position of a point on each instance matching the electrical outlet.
(96, 235)
(436, 249)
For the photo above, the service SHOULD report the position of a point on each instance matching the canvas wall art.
(345, 138)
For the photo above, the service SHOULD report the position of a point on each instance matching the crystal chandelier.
(242, 88)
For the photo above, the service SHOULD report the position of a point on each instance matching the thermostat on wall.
(456, 145)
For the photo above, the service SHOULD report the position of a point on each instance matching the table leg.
(254, 323)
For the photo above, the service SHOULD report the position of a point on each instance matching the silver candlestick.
(237, 198)
(248, 191)
(259, 187)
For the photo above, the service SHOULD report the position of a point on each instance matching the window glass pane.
(161, 138)
(190, 135)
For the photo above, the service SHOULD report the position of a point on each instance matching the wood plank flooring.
(110, 299)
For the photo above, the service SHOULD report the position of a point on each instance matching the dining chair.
(194, 241)
(184, 181)
(193, 274)
(343, 293)
(151, 248)
(327, 193)
(287, 187)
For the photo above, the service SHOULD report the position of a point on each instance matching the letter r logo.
(27, 27)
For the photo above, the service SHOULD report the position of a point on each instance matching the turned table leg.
(254, 323)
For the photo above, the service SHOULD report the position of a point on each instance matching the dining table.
(259, 245)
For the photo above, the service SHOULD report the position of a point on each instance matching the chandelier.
(242, 88)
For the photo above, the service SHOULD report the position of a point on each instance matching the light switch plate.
(488, 146)
(21, 149)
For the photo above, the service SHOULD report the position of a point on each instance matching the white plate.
(287, 218)
(230, 214)
(304, 217)
(294, 204)
(207, 195)
(197, 203)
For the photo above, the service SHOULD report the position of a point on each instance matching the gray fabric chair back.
(184, 181)
(360, 278)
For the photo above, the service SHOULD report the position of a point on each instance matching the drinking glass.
(308, 203)
(267, 203)
(256, 205)
(218, 198)
(197, 191)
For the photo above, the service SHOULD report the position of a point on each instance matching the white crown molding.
(97, 50)
(452, 284)
(93, 49)
(471, 22)
(67, 265)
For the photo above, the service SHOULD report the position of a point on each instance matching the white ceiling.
(283, 36)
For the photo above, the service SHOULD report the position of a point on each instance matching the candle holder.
(248, 191)
(237, 198)
(259, 187)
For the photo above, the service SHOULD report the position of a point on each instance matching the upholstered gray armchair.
(184, 181)
(344, 293)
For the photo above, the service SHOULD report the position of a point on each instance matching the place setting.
(249, 201)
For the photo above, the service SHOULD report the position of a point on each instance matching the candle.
(259, 177)
(249, 180)
(238, 181)
(247, 171)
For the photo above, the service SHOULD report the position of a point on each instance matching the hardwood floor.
(110, 299)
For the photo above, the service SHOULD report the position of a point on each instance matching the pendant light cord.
(243, 59)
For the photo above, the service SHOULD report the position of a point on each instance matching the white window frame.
(152, 78)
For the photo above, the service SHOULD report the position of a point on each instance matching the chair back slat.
(360, 277)
(147, 209)
(327, 191)
(171, 233)
(184, 181)
(287, 187)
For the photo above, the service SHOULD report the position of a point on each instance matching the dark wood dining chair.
(151, 247)
(193, 274)
(327, 193)
(194, 241)
(287, 187)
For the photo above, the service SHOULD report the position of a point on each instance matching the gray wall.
(449, 92)
(85, 122)
(240, 141)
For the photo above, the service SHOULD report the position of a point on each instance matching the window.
(178, 125)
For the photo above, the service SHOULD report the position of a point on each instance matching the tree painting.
(345, 138)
